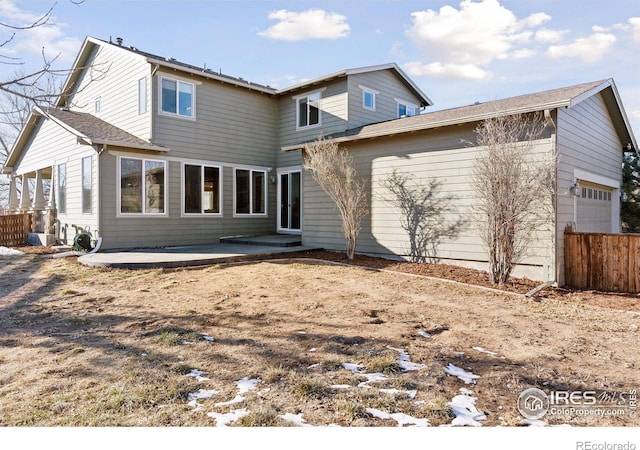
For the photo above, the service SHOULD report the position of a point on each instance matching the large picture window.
(142, 186)
(177, 97)
(201, 189)
(308, 108)
(250, 191)
(62, 189)
(87, 183)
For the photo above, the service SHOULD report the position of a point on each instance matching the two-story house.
(146, 151)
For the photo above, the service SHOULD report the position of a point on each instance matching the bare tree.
(335, 171)
(514, 188)
(425, 214)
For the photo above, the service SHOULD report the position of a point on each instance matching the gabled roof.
(540, 101)
(424, 100)
(87, 128)
(171, 63)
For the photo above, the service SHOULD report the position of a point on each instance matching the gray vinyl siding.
(389, 88)
(334, 110)
(175, 229)
(432, 154)
(38, 155)
(586, 140)
(113, 77)
(231, 125)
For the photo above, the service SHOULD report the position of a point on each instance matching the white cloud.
(460, 43)
(590, 49)
(550, 36)
(48, 37)
(311, 24)
(635, 23)
(447, 71)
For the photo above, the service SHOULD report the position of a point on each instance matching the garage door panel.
(594, 205)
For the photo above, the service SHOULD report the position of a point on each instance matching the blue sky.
(458, 52)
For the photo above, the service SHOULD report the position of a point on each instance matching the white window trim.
(177, 114)
(365, 91)
(182, 190)
(119, 212)
(266, 192)
(400, 101)
(297, 100)
(61, 188)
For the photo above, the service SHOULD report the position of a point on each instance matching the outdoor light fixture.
(272, 176)
(575, 189)
(627, 148)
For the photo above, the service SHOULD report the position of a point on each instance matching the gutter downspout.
(554, 256)
(98, 198)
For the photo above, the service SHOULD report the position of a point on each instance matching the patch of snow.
(313, 366)
(6, 251)
(424, 334)
(458, 354)
(412, 393)
(245, 385)
(355, 368)
(313, 349)
(534, 423)
(197, 374)
(206, 337)
(465, 376)
(193, 397)
(401, 418)
(341, 386)
(484, 350)
(223, 419)
(186, 343)
(464, 408)
(405, 362)
(465, 391)
(294, 418)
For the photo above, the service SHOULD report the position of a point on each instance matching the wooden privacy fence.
(14, 229)
(603, 262)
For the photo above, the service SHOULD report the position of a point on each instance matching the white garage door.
(594, 208)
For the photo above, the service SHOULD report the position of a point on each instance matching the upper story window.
(308, 110)
(142, 95)
(368, 98)
(96, 105)
(406, 109)
(177, 97)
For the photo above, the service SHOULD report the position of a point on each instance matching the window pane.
(368, 100)
(295, 200)
(130, 185)
(142, 95)
(411, 111)
(169, 96)
(314, 109)
(242, 192)
(258, 192)
(86, 185)
(62, 189)
(192, 189)
(154, 177)
(211, 190)
(402, 110)
(303, 112)
(185, 99)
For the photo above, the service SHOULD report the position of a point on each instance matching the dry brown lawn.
(82, 346)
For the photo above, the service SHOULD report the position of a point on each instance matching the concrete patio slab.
(183, 256)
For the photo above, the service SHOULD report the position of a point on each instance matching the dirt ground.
(273, 340)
